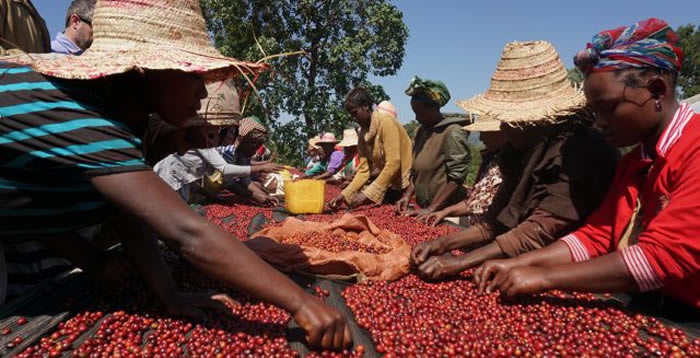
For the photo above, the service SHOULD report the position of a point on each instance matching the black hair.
(636, 77)
(359, 97)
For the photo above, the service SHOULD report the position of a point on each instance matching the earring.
(658, 106)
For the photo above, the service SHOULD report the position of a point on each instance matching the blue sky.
(459, 41)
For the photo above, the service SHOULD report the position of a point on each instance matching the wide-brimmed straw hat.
(350, 138)
(484, 124)
(143, 35)
(530, 85)
(328, 138)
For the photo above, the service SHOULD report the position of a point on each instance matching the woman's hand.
(325, 327)
(265, 168)
(439, 267)
(402, 206)
(336, 202)
(435, 217)
(521, 281)
(265, 199)
(485, 275)
(359, 199)
(423, 251)
(193, 306)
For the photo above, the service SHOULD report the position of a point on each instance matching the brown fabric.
(430, 170)
(537, 231)
(21, 27)
(567, 173)
(294, 258)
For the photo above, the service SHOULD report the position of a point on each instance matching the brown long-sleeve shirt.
(550, 190)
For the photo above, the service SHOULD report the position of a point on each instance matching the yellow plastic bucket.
(304, 196)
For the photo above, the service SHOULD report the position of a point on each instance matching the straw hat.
(221, 107)
(313, 142)
(350, 138)
(328, 138)
(530, 85)
(143, 34)
(484, 124)
(387, 107)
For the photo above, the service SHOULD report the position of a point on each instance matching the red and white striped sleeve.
(668, 249)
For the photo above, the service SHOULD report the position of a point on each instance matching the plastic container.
(304, 196)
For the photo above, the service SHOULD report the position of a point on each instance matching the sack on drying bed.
(367, 253)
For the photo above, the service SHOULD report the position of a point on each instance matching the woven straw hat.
(313, 142)
(530, 85)
(328, 138)
(350, 138)
(484, 124)
(143, 34)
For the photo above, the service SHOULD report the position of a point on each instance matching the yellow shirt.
(385, 147)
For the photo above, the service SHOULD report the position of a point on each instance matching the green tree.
(575, 76)
(344, 41)
(411, 128)
(689, 78)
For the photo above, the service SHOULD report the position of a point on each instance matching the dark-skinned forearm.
(480, 255)
(607, 273)
(443, 195)
(461, 239)
(152, 202)
(215, 252)
(555, 254)
(459, 209)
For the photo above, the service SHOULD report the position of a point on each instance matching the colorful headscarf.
(251, 128)
(436, 91)
(648, 43)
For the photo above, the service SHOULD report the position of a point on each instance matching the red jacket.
(667, 251)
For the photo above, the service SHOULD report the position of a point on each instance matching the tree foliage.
(689, 79)
(345, 41)
(411, 128)
(575, 76)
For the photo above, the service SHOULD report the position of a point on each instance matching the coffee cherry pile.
(333, 242)
(62, 339)
(410, 317)
(234, 214)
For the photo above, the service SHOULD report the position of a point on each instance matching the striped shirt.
(55, 136)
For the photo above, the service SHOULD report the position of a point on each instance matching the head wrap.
(648, 43)
(251, 128)
(436, 91)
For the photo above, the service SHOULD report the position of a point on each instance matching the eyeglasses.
(89, 22)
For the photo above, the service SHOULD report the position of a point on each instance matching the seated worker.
(71, 157)
(556, 168)
(384, 147)
(251, 136)
(188, 172)
(489, 177)
(351, 159)
(330, 158)
(312, 153)
(441, 153)
(643, 237)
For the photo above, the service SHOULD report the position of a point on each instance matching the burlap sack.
(342, 265)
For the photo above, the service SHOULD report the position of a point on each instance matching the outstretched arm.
(147, 199)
